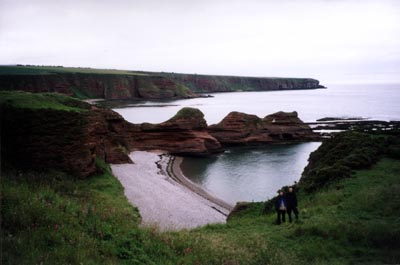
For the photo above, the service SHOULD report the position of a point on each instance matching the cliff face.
(43, 139)
(107, 86)
(240, 128)
(209, 83)
(106, 135)
(66, 139)
(118, 84)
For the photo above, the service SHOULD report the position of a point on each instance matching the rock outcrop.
(184, 134)
(42, 139)
(69, 136)
(187, 132)
(241, 129)
(106, 135)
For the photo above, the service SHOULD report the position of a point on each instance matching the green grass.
(81, 94)
(355, 224)
(52, 218)
(337, 157)
(182, 91)
(48, 70)
(188, 113)
(26, 100)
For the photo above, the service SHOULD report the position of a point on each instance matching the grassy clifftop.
(51, 70)
(52, 101)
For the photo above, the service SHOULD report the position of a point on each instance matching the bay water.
(249, 173)
(256, 173)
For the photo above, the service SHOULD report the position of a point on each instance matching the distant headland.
(89, 83)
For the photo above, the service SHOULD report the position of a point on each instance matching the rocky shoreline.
(328, 127)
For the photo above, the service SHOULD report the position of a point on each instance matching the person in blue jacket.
(280, 206)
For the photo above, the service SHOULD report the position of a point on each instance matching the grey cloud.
(282, 38)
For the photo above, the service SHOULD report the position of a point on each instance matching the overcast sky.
(332, 40)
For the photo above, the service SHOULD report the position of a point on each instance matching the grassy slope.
(356, 223)
(25, 100)
(54, 219)
(51, 218)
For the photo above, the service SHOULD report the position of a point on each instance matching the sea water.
(256, 173)
(249, 173)
(369, 101)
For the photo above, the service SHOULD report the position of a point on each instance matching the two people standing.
(286, 203)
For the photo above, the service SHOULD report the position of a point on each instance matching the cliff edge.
(41, 131)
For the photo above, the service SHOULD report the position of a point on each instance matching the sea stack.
(282, 127)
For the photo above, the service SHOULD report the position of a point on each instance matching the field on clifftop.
(48, 70)
(348, 200)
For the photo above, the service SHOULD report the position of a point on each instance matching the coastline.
(174, 171)
(165, 198)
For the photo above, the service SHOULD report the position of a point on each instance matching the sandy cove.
(164, 196)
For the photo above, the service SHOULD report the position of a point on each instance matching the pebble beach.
(165, 198)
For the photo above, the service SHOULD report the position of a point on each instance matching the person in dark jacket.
(280, 206)
(291, 204)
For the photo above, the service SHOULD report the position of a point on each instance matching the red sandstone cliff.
(106, 86)
(119, 84)
(68, 140)
(218, 83)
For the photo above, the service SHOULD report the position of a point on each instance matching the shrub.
(337, 157)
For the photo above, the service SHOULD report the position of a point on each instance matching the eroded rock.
(184, 134)
(240, 128)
